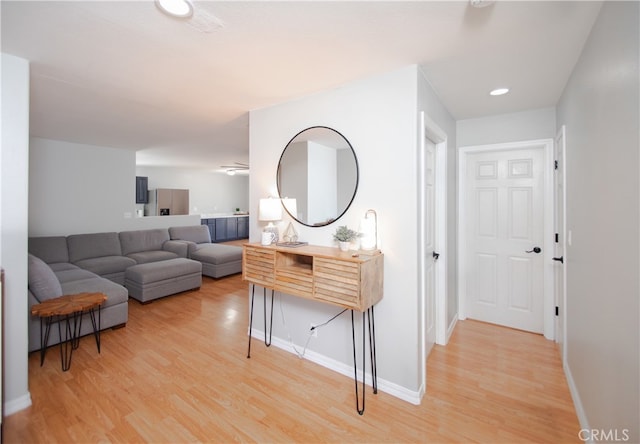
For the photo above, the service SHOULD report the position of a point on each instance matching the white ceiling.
(122, 74)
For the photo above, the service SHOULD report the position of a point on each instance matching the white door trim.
(547, 145)
(561, 137)
(428, 128)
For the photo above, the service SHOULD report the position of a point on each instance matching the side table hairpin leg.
(270, 326)
(73, 326)
(372, 351)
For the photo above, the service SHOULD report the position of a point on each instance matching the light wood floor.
(178, 373)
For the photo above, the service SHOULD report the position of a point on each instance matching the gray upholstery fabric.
(154, 280)
(116, 294)
(217, 254)
(93, 245)
(62, 266)
(180, 248)
(43, 282)
(104, 265)
(217, 260)
(157, 271)
(75, 274)
(197, 233)
(51, 249)
(144, 257)
(143, 240)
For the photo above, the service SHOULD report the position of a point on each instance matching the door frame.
(548, 247)
(428, 128)
(560, 300)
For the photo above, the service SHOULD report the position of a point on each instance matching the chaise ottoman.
(154, 280)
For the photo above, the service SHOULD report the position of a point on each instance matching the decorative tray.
(291, 244)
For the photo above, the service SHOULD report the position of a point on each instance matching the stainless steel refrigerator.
(167, 202)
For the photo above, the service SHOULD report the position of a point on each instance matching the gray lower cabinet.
(224, 229)
(243, 227)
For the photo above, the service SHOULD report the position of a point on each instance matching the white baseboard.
(577, 403)
(450, 329)
(391, 388)
(15, 405)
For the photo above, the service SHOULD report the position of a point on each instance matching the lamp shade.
(270, 210)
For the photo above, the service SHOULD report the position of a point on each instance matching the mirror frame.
(355, 190)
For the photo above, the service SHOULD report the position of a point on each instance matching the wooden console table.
(68, 308)
(351, 279)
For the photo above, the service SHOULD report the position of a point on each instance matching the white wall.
(429, 103)
(379, 118)
(14, 165)
(515, 127)
(600, 110)
(209, 192)
(76, 188)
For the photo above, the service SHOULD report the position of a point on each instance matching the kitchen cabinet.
(222, 229)
(243, 227)
(142, 195)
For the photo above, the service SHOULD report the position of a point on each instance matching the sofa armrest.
(181, 248)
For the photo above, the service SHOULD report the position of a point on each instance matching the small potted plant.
(344, 235)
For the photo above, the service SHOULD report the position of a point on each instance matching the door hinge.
(557, 311)
(557, 238)
(555, 164)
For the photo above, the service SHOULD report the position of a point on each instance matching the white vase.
(344, 246)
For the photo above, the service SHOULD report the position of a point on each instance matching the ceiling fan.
(232, 169)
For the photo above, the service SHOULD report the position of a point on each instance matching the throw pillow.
(43, 282)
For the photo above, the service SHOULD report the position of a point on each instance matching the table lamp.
(270, 210)
(369, 231)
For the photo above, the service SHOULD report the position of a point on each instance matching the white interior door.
(560, 238)
(504, 232)
(429, 250)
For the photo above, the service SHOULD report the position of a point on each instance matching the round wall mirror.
(317, 176)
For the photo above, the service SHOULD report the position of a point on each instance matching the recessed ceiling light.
(499, 91)
(176, 8)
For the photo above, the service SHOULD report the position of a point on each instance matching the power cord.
(306, 344)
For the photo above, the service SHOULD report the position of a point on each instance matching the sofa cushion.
(92, 245)
(143, 240)
(106, 265)
(195, 233)
(51, 249)
(116, 294)
(62, 266)
(144, 257)
(217, 254)
(74, 274)
(162, 271)
(43, 282)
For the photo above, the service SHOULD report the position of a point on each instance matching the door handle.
(559, 259)
(436, 256)
(535, 250)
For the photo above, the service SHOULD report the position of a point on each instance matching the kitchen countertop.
(221, 215)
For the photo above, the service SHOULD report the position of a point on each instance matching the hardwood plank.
(178, 372)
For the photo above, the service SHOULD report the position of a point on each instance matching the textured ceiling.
(124, 75)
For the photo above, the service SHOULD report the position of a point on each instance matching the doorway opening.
(505, 234)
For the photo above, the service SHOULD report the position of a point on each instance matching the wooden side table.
(350, 280)
(70, 310)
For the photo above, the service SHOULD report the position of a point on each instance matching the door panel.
(504, 284)
(429, 247)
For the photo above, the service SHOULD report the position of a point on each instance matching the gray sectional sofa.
(143, 264)
(217, 260)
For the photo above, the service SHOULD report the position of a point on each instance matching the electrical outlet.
(314, 331)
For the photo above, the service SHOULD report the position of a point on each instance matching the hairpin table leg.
(372, 349)
(253, 290)
(355, 365)
(265, 317)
